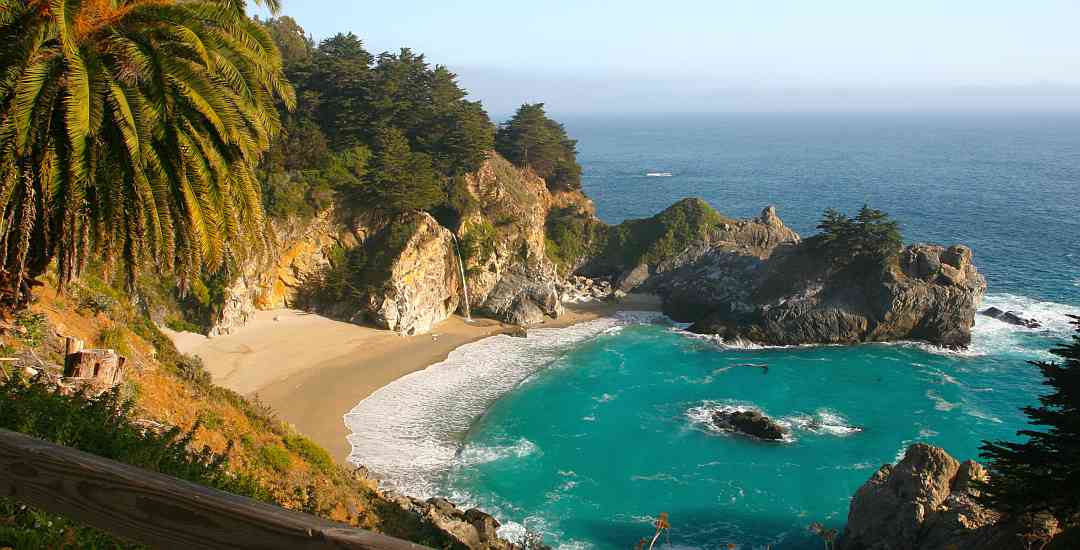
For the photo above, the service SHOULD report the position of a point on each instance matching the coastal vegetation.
(387, 132)
(131, 130)
(1041, 475)
(869, 238)
(530, 139)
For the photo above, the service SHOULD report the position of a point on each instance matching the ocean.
(585, 434)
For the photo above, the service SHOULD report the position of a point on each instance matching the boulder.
(423, 280)
(1011, 317)
(751, 423)
(633, 278)
(929, 501)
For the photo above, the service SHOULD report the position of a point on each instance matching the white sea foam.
(409, 431)
(822, 422)
(940, 403)
(991, 336)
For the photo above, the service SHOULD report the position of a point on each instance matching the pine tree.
(400, 179)
(1042, 474)
(532, 140)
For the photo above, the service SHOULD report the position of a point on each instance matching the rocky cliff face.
(927, 293)
(510, 277)
(756, 280)
(423, 282)
(500, 241)
(928, 502)
(294, 252)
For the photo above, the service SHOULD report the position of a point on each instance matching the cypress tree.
(1042, 474)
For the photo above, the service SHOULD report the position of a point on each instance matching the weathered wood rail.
(159, 510)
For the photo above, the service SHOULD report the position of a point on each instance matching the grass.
(114, 337)
(276, 457)
(311, 453)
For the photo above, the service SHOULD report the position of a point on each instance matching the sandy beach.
(312, 370)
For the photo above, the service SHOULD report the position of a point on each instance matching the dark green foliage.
(24, 527)
(869, 238)
(351, 106)
(662, 236)
(357, 272)
(1042, 474)
(531, 139)
(571, 236)
(399, 179)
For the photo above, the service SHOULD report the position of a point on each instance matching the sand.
(312, 370)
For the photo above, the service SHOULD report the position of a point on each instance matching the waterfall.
(464, 284)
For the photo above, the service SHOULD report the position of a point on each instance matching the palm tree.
(130, 129)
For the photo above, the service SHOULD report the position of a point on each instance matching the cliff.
(928, 501)
(404, 272)
(756, 280)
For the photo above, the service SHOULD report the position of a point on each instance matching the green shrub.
(102, 426)
(211, 420)
(276, 457)
(32, 328)
(182, 325)
(114, 337)
(571, 236)
(479, 241)
(312, 453)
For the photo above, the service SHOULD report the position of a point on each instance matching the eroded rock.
(751, 423)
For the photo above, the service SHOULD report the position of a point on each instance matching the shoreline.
(312, 370)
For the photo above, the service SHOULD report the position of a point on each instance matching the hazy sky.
(750, 55)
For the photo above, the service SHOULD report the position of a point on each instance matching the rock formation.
(927, 502)
(470, 529)
(295, 252)
(509, 275)
(925, 293)
(751, 423)
(1011, 317)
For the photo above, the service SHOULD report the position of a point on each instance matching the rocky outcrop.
(422, 284)
(1011, 317)
(778, 291)
(296, 251)
(927, 502)
(510, 277)
(751, 423)
(419, 283)
(438, 519)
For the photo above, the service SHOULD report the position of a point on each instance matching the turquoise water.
(586, 433)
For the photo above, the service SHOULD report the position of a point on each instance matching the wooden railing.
(159, 510)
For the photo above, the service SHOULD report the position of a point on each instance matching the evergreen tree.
(532, 140)
(1042, 474)
(870, 237)
(400, 179)
(876, 235)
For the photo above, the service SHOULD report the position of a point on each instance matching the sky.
(638, 56)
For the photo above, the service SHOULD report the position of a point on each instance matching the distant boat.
(659, 174)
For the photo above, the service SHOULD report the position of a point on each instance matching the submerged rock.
(1011, 317)
(751, 423)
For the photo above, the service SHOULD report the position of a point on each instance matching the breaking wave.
(409, 431)
(821, 422)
